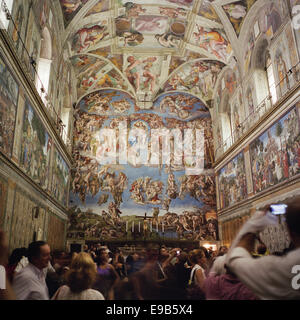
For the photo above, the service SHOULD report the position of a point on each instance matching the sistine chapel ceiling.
(148, 48)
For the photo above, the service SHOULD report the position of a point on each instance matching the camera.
(278, 208)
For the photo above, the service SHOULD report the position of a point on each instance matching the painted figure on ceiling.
(167, 40)
(87, 37)
(131, 38)
(151, 24)
(207, 11)
(212, 41)
(282, 73)
(133, 72)
(172, 12)
(236, 13)
(133, 10)
(18, 24)
(70, 6)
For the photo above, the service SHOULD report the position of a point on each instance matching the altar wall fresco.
(132, 200)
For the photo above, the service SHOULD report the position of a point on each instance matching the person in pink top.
(223, 285)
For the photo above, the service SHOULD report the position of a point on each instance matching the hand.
(257, 223)
(174, 251)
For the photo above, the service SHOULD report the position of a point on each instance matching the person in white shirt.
(198, 260)
(29, 283)
(269, 277)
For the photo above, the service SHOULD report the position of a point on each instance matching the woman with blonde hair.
(79, 280)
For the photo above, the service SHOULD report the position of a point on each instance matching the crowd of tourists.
(245, 271)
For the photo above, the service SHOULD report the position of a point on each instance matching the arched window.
(226, 130)
(65, 118)
(224, 114)
(261, 81)
(3, 17)
(271, 78)
(44, 65)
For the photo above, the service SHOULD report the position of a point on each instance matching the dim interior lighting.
(208, 246)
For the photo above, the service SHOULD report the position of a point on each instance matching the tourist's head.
(183, 257)
(102, 256)
(223, 250)
(82, 273)
(135, 256)
(38, 254)
(197, 256)
(164, 252)
(17, 255)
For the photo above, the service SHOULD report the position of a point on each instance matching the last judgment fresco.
(133, 199)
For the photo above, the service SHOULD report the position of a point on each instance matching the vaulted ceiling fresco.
(150, 47)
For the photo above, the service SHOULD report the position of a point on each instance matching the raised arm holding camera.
(269, 277)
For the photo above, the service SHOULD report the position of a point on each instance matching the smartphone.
(278, 208)
(178, 252)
